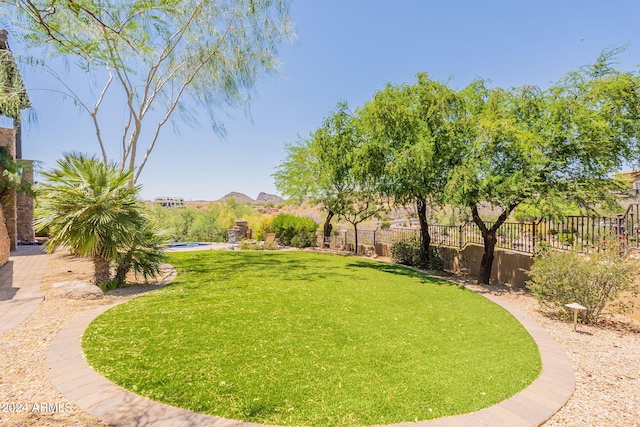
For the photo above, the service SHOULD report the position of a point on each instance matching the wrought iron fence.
(585, 231)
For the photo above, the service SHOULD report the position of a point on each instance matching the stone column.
(8, 141)
(25, 206)
(5, 243)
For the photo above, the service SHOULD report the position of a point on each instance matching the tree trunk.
(425, 237)
(484, 276)
(328, 227)
(121, 272)
(489, 238)
(102, 270)
(355, 230)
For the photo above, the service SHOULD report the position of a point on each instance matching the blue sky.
(348, 50)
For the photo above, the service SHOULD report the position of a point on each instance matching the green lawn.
(298, 338)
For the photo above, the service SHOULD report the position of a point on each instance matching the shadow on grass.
(401, 271)
(227, 265)
(288, 266)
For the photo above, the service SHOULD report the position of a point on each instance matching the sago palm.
(144, 255)
(88, 205)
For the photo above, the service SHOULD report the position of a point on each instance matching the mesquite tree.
(527, 144)
(325, 167)
(412, 146)
(158, 58)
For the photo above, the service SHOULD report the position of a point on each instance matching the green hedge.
(295, 230)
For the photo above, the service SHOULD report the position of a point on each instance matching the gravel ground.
(606, 359)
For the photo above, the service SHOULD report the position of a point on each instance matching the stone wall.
(5, 244)
(8, 140)
(240, 232)
(25, 206)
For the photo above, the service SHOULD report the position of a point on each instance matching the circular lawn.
(299, 338)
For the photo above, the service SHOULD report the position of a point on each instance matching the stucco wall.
(508, 267)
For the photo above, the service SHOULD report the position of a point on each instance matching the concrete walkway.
(20, 279)
(74, 378)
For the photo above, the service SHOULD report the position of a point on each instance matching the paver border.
(70, 374)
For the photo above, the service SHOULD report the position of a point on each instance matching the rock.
(77, 289)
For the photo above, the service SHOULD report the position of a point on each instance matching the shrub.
(264, 226)
(287, 226)
(245, 246)
(566, 239)
(209, 225)
(305, 239)
(593, 280)
(109, 286)
(89, 206)
(436, 261)
(406, 252)
(385, 225)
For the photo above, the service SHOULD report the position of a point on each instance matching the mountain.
(265, 198)
(240, 197)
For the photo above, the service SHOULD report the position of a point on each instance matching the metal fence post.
(533, 227)
(619, 232)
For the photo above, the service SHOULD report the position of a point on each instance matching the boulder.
(77, 289)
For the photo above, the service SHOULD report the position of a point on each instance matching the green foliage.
(144, 255)
(593, 280)
(548, 209)
(13, 96)
(12, 176)
(291, 314)
(305, 239)
(436, 261)
(296, 175)
(208, 225)
(411, 142)
(167, 57)
(450, 215)
(264, 226)
(406, 252)
(325, 167)
(246, 246)
(385, 225)
(566, 238)
(556, 146)
(110, 285)
(289, 227)
(89, 206)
